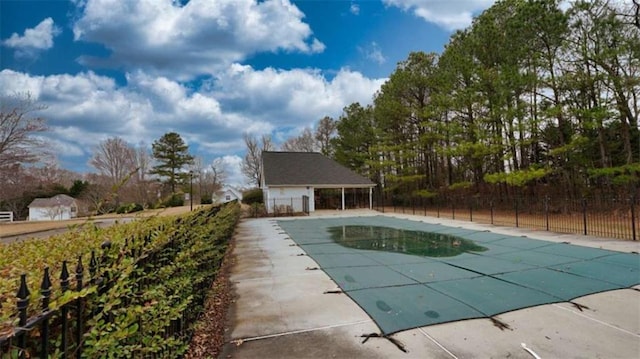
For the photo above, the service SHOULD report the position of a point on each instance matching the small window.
(228, 198)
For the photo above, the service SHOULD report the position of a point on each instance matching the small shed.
(300, 181)
(229, 194)
(56, 208)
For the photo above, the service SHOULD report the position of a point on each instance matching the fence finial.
(23, 291)
(45, 287)
(79, 273)
(93, 267)
(64, 277)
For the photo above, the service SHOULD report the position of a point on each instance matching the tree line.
(530, 97)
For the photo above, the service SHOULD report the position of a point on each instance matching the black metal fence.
(614, 217)
(69, 321)
(287, 206)
(60, 332)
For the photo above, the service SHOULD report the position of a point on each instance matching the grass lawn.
(23, 227)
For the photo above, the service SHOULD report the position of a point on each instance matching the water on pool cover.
(402, 241)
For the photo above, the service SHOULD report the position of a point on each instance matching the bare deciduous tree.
(18, 126)
(305, 142)
(218, 174)
(143, 191)
(252, 162)
(326, 130)
(114, 158)
(143, 161)
(13, 188)
(211, 179)
(97, 193)
(51, 175)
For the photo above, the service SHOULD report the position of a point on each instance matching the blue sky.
(210, 70)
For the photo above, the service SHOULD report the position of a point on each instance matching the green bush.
(206, 200)
(129, 208)
(175, 200)
(252, 196)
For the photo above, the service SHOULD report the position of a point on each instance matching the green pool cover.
(408, 274)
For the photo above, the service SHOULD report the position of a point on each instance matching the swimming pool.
(408, 274)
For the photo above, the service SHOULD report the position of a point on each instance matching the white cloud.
(64, 147)
(317, 46)
(355, 9)
(448, 14)
(34, 40)
(86, 108)
(166, 38)
(292, 98)
(232, 167)
(373, 53)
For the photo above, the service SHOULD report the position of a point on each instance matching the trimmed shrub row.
(143, 293)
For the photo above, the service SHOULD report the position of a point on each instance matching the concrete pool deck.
(283, 310)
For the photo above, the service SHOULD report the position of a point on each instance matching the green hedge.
(157, 273)
(252, 196)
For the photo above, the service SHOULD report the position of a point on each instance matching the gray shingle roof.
(308, 168)
(57, 200)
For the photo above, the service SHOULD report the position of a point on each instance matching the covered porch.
(343, 198)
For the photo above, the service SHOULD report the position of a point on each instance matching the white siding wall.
(229, 196)
(287, 196)
(46, 214)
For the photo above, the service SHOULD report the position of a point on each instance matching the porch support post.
(343, 198)
(370, 198)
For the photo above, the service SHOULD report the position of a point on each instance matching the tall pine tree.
(172, 155)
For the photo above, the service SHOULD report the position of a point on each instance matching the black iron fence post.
(93, 268)
(79, 308)
(491, 209)
(633, 217)
(584, 215)
(45, 290)
(453, 210)
(23, 303)
(546, 212)
(471, 210)
(424, 206)
(64, 311)
(517, 214)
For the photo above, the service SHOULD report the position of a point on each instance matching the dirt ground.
(22, 227)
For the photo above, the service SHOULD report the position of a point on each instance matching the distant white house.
(56, 208)
(227, 194)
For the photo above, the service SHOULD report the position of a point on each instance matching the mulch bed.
(208, 337)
